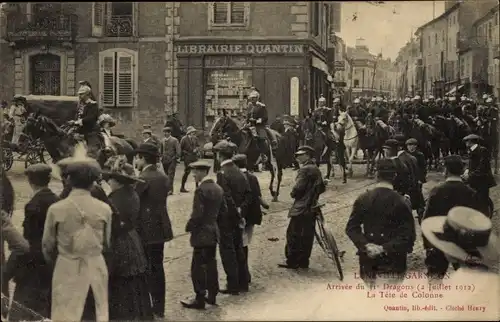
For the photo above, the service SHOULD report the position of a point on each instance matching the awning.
(321, 65)
(454, 89)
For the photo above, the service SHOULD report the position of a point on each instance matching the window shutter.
(135, 15)
(237, 13)
(125, 80)
(221, 11)
(108, 80)
(97, 19)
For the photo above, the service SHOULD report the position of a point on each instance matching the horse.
(245, 139)
(373, 140)
(292, 137)
(351, 137)
(321, 142)
(60, 141)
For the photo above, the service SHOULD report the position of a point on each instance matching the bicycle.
(327, 241)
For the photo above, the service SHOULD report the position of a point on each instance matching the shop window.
(229, 14)
(46, 74)
(226, 89)
(356, 83)
(315, 19)
(118, 78)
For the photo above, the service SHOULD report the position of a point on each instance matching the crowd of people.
(92, 256)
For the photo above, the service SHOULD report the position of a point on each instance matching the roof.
(487, 15)
(444, 14)
(355, 53)
(51, 98)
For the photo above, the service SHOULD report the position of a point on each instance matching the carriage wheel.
(32, 157)
(328, 243)
(7, 158)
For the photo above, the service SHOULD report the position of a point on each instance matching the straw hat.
(464, 234)
(106, 118)
(190, 130)
(117, 168)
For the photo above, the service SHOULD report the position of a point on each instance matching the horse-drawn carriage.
(29, 147)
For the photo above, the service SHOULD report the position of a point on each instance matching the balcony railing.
(39, 28)
(120, 26)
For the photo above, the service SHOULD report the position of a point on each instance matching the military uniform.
(382, 217)
(208, 205)
(258, 112)
(308, 187)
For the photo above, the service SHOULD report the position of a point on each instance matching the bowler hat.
(472, 137)
(40, 169)
(464, 234)
(305, 149)
(147, 148)
(117, 168)
(200, 165)
(390, 144)
(411, 141)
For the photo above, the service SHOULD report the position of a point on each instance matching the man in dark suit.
(88, 114)
(33, 276)
(254, 213)
(208, 204)
(189, 152)
(452, 193)
(170, 155)
(411, 164)
(382, 228)
(401, 182)
(478, 174)
(419, 201)
(238, 196)
(154, 223)
(308, 187)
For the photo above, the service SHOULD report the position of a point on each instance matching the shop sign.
(294, 96)
(339, 65)
(240, 49)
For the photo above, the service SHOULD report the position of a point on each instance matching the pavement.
(271, 286)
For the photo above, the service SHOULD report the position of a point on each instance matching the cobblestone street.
(268, 280)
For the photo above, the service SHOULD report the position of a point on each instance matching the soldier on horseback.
(323, 118)
(87, 116)
(257, 114)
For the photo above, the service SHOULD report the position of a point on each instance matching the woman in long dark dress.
(128, 292)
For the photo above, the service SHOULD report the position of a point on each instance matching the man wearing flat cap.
(451, 193)
(420, 175)
(478, 174)
(155, 228)
(382, 228)
(189, 153)
(87, 120)
(412, 165)
(170, 151)
(238, 197)
(402, 179)
(208, 205)
(308, 187)
(33, 276)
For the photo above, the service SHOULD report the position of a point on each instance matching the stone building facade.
(226, 48)
(121, 48)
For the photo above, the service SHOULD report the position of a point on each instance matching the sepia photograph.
(250, 161)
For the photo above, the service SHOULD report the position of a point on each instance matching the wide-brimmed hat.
(147, 131)
(84, 89)
(305, 149)
(464, 234)
(117, 168)
(190, 129)
(472, 137)
(19, 98)
(147, 148)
